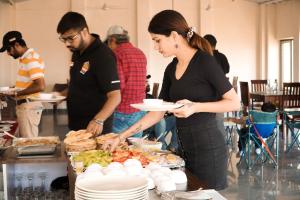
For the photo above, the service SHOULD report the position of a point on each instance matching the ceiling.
(11, 2)
(267, 1)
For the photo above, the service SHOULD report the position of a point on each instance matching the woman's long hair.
(166, 21)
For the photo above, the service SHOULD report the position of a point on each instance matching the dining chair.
(235, 82)
(244, 90)
(291, 111)
(155, 90)
(258, 86)
(230, 118)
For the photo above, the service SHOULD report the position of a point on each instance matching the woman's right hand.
(111, 144)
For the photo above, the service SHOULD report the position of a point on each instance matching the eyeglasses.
(69, 39)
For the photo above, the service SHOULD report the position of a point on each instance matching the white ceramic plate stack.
(116, 188)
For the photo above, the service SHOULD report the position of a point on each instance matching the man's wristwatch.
(99, 121)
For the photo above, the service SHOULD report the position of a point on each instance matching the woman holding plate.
(194, 79)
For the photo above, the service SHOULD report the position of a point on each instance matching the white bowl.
(132, 163)
(150, 145)
(3, 89)
(46, 95)
(178, 176)
(145, 144)
(93, 168)
(153, 102)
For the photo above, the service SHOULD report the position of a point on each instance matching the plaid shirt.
(132, 71)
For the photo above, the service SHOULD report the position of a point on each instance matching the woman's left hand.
(187, 110)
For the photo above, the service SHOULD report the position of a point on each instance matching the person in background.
(195, 80)
(30, 81)
(132, 64)
(164, 126)
(94, 88)
(223, 62)
(220, 57)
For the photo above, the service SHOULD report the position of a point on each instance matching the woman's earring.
(176, 46)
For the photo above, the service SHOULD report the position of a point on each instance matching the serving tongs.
(10, 135)
(181, 195)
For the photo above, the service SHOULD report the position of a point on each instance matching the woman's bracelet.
(99, 122)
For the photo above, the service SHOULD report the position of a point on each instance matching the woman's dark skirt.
(205, 154)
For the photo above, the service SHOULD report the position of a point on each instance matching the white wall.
(247, 33)
(7, 22)
(235, 25)
(288, 26)
(38, 21)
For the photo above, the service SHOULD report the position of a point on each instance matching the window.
(286, 61)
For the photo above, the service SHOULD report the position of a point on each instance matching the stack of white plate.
(107, 187)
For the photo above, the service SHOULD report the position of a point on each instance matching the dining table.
(275, 97)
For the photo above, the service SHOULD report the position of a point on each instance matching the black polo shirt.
(92, 75)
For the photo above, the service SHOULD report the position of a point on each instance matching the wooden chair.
(291, 95)
(235, 82)
(155, 90)
(259, 85)
(244, 89)
(291, 111)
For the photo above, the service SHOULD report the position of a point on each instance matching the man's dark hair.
(211, 39)
(71, 20)
(268, 107)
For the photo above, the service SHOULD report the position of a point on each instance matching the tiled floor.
(262, 182)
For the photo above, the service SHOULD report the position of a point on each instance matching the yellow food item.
(94, 156)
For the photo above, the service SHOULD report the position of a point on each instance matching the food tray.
(36, 150)
(36, 146)
(35, 141)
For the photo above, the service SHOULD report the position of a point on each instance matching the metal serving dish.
(36, 146)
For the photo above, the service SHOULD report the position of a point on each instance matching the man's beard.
(80, 46)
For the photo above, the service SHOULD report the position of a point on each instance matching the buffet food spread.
(85, 147)
(90, 160)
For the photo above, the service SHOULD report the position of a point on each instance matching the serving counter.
(13, 166)
(55, 165)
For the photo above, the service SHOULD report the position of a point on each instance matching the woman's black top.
(203, 81)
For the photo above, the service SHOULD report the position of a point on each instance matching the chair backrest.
(265, 122)
(155, 90)
(244, 89)
(258, 85)
(291, 95)
(235, 82)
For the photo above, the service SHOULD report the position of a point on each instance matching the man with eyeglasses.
(94, 88)
(30, 81)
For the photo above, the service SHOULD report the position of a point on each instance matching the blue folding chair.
(263, 132)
